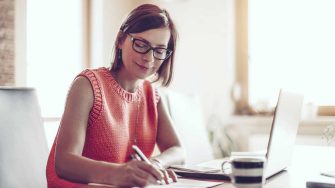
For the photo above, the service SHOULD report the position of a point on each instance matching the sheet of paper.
(214, 163)
(194, 168)
(189, 183)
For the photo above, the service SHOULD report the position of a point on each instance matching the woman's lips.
(142, 67)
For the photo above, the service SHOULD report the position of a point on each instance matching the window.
(55, 46)
(290, 44)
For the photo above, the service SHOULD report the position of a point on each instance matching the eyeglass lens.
(143, 48)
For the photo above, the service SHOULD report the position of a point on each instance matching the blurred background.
(234, 55)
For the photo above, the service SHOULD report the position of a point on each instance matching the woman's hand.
(136, 173)
(169, 175)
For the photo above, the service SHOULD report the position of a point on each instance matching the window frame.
(242, 105)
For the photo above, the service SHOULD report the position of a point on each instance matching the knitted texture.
(117, 120)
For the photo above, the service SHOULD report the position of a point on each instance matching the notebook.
(281, 142)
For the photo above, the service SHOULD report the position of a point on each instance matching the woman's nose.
(149, 56)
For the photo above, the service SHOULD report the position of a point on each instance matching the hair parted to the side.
(143, 18)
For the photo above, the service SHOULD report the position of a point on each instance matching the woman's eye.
(160, 51)
(141, 45)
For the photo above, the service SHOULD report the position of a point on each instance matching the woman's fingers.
(152, 170)
(144, 174)
(147, 172)
(169, 176)
(172, 175)
(166, 177)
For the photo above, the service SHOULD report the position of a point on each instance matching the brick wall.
(7, 52)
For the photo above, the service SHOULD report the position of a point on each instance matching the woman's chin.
(143, 74)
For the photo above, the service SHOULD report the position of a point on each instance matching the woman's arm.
(167, 139)
(69, 162)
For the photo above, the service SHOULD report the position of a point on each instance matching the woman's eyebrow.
(144, 40)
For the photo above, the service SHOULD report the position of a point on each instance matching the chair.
(23, 146)
(186, 112)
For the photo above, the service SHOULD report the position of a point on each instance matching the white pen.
(140, 154)
(145, 159)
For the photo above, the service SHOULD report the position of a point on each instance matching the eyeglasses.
(143, 47)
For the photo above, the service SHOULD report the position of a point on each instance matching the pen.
(140, 154)
(145, 159)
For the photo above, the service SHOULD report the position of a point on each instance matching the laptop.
(283, 133)
(281, 142)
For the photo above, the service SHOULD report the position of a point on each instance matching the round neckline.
(124, 94)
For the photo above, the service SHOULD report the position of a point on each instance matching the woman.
(110, 110)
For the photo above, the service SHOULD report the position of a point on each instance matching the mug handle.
(224, 169)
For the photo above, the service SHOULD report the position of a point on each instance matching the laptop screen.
(283, 132)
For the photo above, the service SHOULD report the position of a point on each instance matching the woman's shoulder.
(80, 93)
(81, 81)
(96, 77)
(93, 72)
(90, 81)
(81, 85)
(88, 90)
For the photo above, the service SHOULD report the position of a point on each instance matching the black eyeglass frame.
(168, 51)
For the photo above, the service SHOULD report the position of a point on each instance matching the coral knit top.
(117, 120)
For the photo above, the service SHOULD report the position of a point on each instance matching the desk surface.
(307, 163)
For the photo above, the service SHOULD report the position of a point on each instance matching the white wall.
(205, 53)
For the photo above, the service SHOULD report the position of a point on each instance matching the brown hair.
(143, 18)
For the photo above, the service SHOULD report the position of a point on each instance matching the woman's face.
(138, 65)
